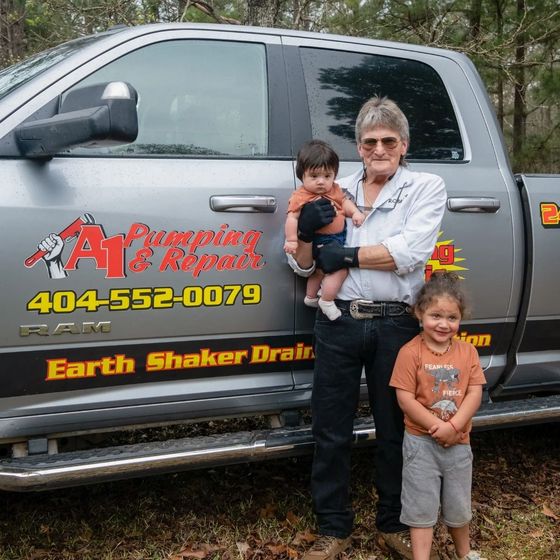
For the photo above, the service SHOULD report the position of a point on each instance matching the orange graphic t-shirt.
(439, 382)
(336, 196)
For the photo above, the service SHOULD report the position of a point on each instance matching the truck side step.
(42, 472)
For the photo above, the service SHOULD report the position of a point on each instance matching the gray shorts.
(434, 474)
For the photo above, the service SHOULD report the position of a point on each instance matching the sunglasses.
(388, 142)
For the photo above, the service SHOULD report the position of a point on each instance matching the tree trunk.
(519, 108)
(475, 16)
(12, 33)
(263, 13)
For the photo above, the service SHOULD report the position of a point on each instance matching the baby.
(316, 167)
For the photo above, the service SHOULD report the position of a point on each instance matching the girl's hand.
(445, 434)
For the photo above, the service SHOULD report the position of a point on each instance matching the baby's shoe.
(472, 555)
(330, 309)
(311, 301)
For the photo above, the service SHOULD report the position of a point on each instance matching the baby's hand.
(358, 218)
(290, 247)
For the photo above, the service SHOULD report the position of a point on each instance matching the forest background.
(515, 44)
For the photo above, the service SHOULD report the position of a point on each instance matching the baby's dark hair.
(316, 154)
(442, 284)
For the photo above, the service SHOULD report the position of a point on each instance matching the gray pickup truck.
(145, 174)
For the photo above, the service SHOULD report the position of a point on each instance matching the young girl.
(316, 168)
(439, 382)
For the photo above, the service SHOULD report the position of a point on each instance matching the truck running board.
(42, 472)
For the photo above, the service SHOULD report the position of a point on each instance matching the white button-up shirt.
(405, 218)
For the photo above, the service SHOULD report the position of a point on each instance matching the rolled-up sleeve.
(304, 272)
(414, 244)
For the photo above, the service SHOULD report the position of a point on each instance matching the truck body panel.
(171, 300)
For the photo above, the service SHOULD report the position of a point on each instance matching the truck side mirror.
(97, 115)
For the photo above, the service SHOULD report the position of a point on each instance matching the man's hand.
(333, 257)
(313, 216)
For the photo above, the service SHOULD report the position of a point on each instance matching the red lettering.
(428, 272)
(136, 231)
(226, 262)
(170, 259)
(550, 213)
(205, 263)
(88, 246)
(114, 248)
(201, 239)
(140, 262)
(445, 254)
(188, 262)
(249, 260)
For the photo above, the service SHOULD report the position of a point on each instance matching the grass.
(262, 511)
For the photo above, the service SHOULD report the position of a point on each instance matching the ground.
(262, 511)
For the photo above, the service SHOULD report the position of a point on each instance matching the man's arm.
(333, 257)
(376, 257)
(403, 252)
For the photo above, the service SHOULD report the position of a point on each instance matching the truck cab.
(145, 178)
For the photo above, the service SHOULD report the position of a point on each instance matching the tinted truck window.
(196, 98)
(339, 82)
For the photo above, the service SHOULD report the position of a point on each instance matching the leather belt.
(366, 309)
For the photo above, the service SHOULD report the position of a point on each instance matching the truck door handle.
(243, 203)
(473, 204)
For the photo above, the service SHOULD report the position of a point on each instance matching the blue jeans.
(342, 348)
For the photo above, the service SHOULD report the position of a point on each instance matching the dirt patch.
(262, 511)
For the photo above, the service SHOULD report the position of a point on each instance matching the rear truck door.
(453, 134)
(171, 298)
(535, 354)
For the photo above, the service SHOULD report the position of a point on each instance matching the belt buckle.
(365, 309)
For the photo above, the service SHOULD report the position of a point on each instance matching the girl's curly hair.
(442, 284)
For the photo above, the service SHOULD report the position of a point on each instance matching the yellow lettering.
(286, 354)
(155, 361)
(107, 365)
(191, 360)
(75, 370)
(259, 354)
(56, 369)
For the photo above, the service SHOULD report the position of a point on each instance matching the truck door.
(535, 353)
(170, 291)
(452, 134)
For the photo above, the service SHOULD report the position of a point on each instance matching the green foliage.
(488, 31)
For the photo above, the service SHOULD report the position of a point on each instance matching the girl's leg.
(461, 539)
(421, 538)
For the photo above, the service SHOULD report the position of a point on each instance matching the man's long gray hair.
(382, 111)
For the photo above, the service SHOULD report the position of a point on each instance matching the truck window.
(196, 98)
(339, 82)
(18, 74)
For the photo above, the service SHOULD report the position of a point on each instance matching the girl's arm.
(417, 412)
(452, 431)
(468, 408)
